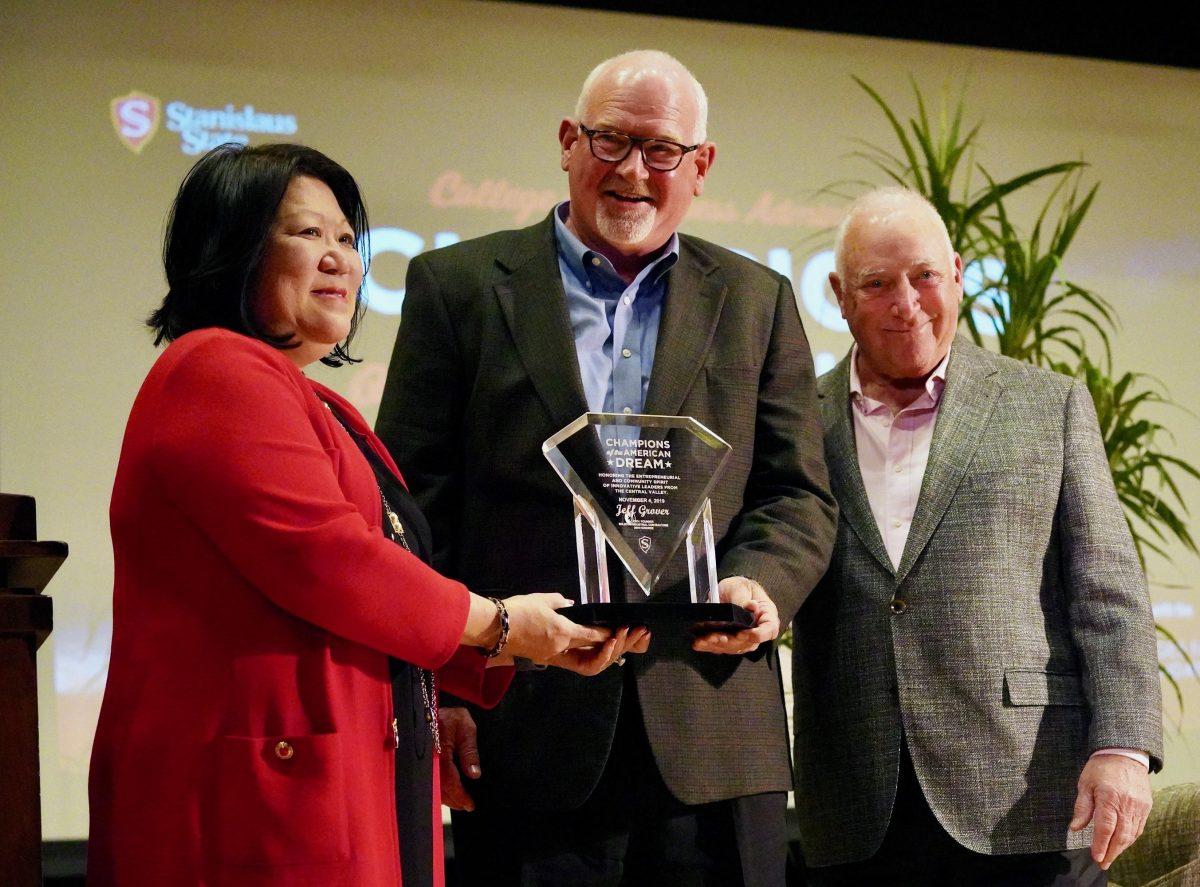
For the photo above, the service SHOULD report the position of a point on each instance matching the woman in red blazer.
(249, 730)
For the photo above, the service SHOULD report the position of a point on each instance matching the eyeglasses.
(613, 147)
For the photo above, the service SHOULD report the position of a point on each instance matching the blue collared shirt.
(615, 325)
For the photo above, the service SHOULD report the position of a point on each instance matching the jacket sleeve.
(783, 538)
(467, 678)
(236, 450)
(1111, 620)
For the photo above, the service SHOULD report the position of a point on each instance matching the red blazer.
(246, 731)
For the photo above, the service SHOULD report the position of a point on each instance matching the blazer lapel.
(841, 454)
(695, 293)
(966, 406)
(534, 305)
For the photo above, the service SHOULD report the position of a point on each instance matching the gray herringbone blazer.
(485, 370)
(1024, 640)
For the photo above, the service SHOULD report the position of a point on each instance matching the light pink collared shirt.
(893, 451)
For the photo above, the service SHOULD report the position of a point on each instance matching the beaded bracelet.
(500, 644)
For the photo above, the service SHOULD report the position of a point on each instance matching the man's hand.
(459, 755)
(749, 595)
(593, 660)
(1115, 792)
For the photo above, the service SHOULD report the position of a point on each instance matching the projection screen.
(447, 113)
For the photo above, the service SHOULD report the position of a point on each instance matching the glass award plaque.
(641, 486)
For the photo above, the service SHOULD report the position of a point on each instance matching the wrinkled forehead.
(899, 211)
(893, 232)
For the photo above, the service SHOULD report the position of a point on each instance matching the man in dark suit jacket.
(672, 769)
(975, 677)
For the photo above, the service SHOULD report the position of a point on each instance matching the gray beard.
(625, 230)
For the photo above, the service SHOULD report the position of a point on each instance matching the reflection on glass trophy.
(641, 486)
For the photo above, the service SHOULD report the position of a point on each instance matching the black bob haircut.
(217, 233)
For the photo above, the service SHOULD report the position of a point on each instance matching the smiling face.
(899, 286)
(625, 210)
(310, 273)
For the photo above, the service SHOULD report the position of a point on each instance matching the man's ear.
(705, 155)
(568, 135)
(835, 284)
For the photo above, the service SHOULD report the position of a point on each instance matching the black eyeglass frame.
(640, 141)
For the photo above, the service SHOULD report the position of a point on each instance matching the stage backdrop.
(447, 113)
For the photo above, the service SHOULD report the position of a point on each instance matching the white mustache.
(624, 189)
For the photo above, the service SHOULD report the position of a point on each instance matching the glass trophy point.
(641, 486)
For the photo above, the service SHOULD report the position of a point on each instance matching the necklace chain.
(427, 677)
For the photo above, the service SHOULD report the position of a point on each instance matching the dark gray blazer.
(1024, 640)
(484, 370)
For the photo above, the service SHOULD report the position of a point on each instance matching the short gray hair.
(651, 59)
(895, 195)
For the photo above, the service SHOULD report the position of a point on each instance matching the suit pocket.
(280, 800)
(1033, 686)
(1018, 479)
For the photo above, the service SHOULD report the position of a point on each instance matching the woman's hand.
(538, 632)
(593, 660)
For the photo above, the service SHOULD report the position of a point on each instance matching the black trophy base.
(668, 616)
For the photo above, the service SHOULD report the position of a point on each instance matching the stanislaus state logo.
(135, 117)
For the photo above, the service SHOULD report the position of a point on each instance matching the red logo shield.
(135, 117)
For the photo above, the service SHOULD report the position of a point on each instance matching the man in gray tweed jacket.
(976, 688)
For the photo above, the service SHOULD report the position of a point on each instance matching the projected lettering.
(991, 308)
(136, 117)
(388, 300)
(203, 128)
(451, 189)
(814, 294)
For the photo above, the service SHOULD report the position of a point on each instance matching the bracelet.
(500, 644)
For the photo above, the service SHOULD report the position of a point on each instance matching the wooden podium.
(26, 565)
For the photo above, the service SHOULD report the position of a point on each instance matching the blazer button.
(284, 750)
(897, 605)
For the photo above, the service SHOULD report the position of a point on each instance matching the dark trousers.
(631, 831)
(916, 850)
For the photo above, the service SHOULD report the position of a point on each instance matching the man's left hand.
(459, 757)
(590, 661)
(1114, 791)
(749, 595)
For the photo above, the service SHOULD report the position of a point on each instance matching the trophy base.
(667, 616)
